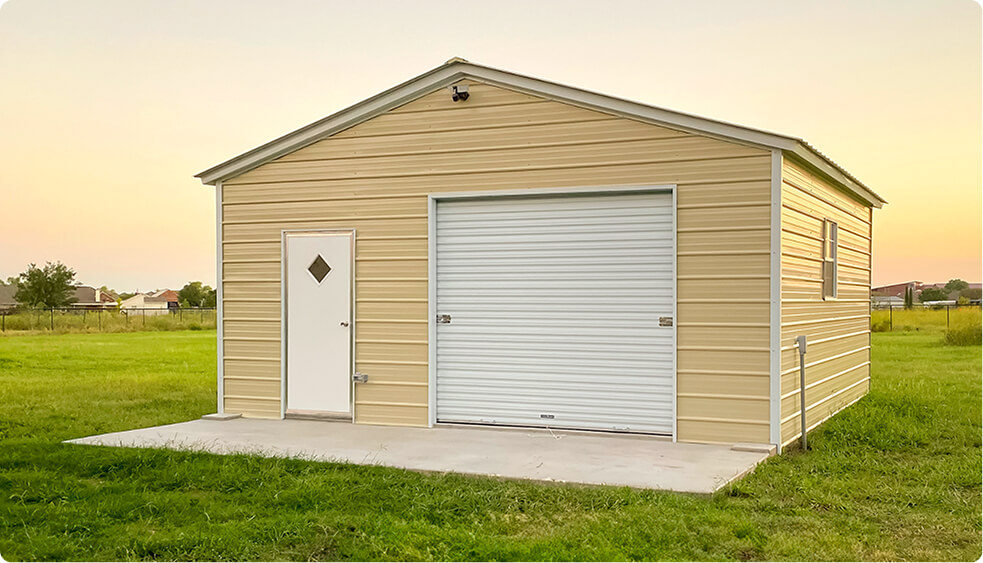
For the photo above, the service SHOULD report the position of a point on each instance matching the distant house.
(7, 300)
(157, 302)
(171, 296)
(898, 289)
(88, 297)
(885, 301)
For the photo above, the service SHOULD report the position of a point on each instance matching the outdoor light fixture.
(459, 93)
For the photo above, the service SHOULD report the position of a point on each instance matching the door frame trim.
(432, 200)
(284, 233)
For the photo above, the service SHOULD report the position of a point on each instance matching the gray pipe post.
(800, 342)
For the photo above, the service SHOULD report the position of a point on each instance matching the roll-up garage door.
(556, 311)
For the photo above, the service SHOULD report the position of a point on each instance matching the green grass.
(896, 476)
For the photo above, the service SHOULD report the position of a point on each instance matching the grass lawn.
(896, 476)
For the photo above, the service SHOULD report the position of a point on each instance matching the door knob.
(344, 323)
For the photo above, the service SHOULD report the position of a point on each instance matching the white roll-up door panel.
(553, 308)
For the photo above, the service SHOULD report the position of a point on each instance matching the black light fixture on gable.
(460, 93)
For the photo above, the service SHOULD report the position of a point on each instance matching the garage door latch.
(443, 319)
(665, 321)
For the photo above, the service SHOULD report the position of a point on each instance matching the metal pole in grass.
(100, 319)
(800, 342)
(890, 307)
(52, 311)
(947, 317)
(143, 313)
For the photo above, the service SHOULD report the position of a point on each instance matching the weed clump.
(969, 335)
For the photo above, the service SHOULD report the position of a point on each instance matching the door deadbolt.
(344, 323)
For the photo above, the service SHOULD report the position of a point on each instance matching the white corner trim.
(219, 308)
(775, 303)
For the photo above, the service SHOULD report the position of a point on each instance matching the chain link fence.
(85, 319)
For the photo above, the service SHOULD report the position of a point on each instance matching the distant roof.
(7, 295)
(457, 69)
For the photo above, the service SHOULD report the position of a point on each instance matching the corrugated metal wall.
(375, 178)
(838, 330)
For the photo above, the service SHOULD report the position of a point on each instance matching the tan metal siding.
(838, 330)
(375, 178)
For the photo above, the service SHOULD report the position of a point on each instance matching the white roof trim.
(457, 69)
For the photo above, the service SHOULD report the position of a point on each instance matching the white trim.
(775, 297)
(283, 313)
(675, 319)
(432, 200)
(219, 309)
(431, 310)
(456, 70)
(283, 324)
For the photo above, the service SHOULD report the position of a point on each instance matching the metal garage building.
(476, 246)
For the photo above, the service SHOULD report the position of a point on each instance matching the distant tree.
(210, 298)
(11, 281)
(193, 294)
(955, 285)
(972, 293)
(50, 286)
(909, 300)
(124, 296)
(933, 294)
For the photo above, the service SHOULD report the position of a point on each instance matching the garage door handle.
(344, 323)
(443, 319)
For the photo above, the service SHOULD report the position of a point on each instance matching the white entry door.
(319, 322)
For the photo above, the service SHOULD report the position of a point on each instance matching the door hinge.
(443, 319)
(360, 377)
(665, 321)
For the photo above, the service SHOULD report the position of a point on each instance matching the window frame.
(830, 259)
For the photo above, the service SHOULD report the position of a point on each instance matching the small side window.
(830, 236)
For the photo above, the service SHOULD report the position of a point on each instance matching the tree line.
(53, 285)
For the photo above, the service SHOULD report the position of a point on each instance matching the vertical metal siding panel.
(838, 330)
(555, 306)
(720, 190)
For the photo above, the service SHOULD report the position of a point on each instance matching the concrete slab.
(542, 455)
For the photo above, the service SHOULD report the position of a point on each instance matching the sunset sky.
(108, 108)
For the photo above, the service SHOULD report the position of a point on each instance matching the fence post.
(4, 316)
(83, 318)
(143, 313)
(947, 317)
(100, 319)
(180, 314)
(52, 311)
(890, 307)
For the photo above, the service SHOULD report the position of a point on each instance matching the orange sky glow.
(108, 107)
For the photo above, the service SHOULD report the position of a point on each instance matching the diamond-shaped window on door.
(319, 269)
